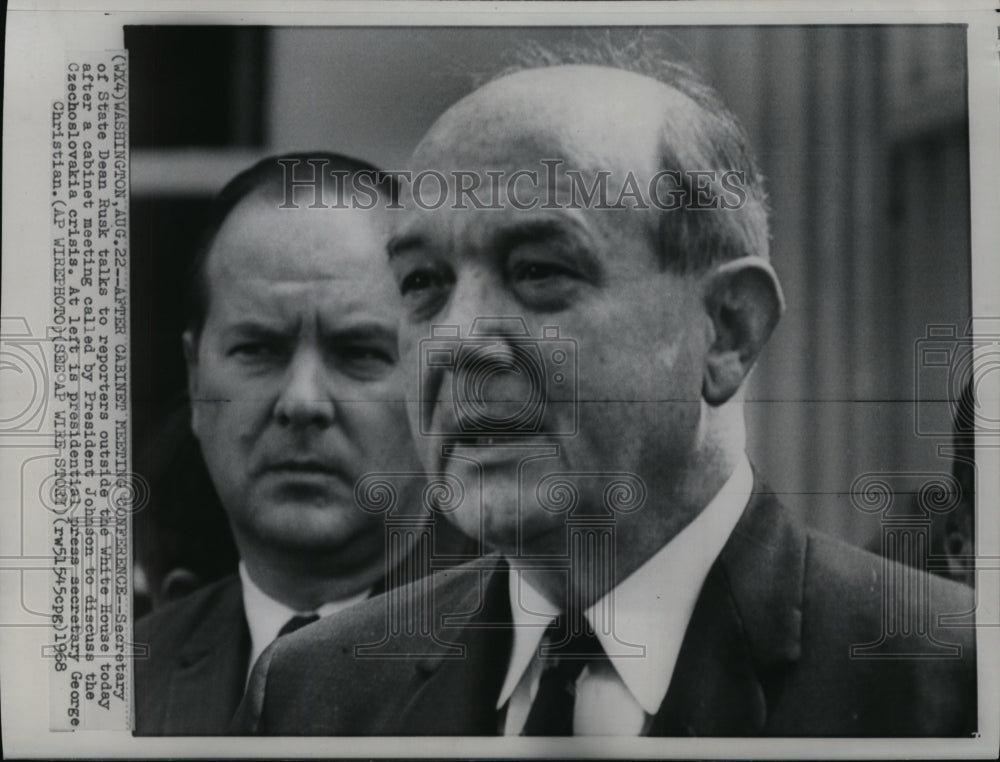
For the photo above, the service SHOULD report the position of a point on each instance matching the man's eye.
(421, 280)
(249, 349)
(254, 349)
(537, 271)
(368, 354)
(425, 290)
(366, 361)
(543, 284)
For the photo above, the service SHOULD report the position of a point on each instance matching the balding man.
(645, 581)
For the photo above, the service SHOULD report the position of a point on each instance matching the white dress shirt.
(652, 608)
(266, 616)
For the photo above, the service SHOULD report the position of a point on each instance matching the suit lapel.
(467, 686)
(744, 632)
(208, 679)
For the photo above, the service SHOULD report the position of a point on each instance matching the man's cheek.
(410, 367)
(205, 414)
(197, 420)
(428, 449)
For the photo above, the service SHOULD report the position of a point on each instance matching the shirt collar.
(531, 613)
(652, 607)
(266, 616)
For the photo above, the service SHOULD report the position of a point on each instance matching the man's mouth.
(500, 440)
(497, 450)
(480, 441)
(303, 466)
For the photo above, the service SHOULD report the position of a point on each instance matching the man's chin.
(306, 490)
(511, 532)
(314, 525)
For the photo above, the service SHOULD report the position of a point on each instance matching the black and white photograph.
(532, 384)
(599, 234)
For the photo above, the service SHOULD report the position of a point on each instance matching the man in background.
(291, 351)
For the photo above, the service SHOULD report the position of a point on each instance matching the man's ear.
(744, 301)
(191, 361)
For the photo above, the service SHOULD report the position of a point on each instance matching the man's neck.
(637, 537)
(303, 588)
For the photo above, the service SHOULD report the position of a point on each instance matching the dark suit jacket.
(192, 680)
(767, 652)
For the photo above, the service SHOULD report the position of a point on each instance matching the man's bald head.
(606, 111)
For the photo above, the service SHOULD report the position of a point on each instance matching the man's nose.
(491, 383)
(475, 298)
(305, 399)
(478, 300)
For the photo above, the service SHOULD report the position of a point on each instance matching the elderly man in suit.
(292, 358)
(704, 608)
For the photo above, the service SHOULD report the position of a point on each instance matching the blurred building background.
(861, 131)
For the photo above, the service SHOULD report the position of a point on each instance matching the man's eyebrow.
(568, 233)
(532, 231)
(256, 328)
(400, 244)
(363, 331)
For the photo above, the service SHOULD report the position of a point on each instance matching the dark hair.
(689, 240)
(269, 173)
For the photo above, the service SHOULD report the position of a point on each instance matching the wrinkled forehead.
(588, 116)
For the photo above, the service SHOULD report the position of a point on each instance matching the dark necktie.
(552, 711)
(297, 622)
